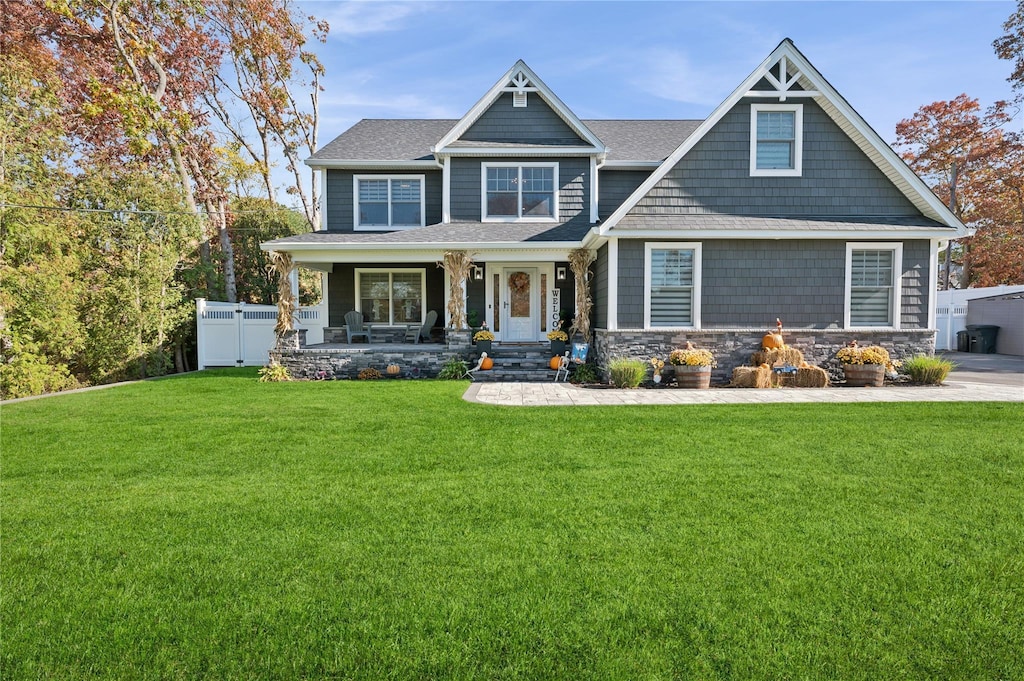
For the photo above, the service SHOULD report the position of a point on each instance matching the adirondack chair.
(415, 333)
(355, 327)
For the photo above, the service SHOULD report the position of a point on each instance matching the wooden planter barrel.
(861, 375)
(693, 377)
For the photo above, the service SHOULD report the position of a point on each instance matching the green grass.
(212, 526)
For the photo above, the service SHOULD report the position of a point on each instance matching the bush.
(627, 373)
(369, 374)
(274, 372)
(928, 370)
(453, 370)
(584, 373)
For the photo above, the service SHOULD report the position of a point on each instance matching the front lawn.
(211, 526)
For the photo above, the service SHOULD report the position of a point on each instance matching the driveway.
(974, 367)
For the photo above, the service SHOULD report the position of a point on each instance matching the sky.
(650, 59)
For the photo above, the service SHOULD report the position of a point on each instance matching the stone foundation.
(335, 363)
(733, 347)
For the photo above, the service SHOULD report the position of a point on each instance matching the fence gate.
(239, 334)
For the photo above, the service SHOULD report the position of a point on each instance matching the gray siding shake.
(340, 216)
(747, 283)
(537, 123)
(714, 177)
(615, 186)
(573, 191)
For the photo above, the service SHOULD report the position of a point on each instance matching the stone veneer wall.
(338, 363)
(733, 347)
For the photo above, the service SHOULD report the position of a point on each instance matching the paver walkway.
(566, 394)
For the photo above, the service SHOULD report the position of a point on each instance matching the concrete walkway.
(978, 378)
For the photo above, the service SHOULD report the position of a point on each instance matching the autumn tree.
(974, 165)
(1011, 47)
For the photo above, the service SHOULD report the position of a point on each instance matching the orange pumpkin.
(394, 370)
(555, 362)
(772, 340)
(488, 363)
(765, 366)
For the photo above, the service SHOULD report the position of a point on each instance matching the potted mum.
(692, 366)
(558, 340)
(483, 339)
(864, 366)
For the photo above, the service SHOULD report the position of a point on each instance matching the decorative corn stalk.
(580, 261)
(281, 264)
(457, 264)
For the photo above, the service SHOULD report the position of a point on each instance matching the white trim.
(696, 247)
(525, 152)
(897, 283)
(364, 164)
(519, 70)
(788, 234)
(933, 281)
(912, 186)
(798, 141)
(613, 284)
(359, 271)
(519, 203)
(323, 199)
(446, 190)
(594, 215)
(389, 227)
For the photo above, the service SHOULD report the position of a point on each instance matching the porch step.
(518, 363)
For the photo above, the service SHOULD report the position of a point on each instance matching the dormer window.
(519, 192)
(388, 201)
(776, 140)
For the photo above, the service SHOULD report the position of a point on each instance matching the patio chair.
(415, 333)
(355, 327)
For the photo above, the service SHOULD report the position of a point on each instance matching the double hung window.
(672, 285)
(391, 297)
(526, 191)
(776, 139)
(873, 285)
(388, 202)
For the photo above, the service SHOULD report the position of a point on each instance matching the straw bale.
(811, 377)
(787, 354)
(752, 377)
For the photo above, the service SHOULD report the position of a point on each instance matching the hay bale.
(752, 377)
(787, 354)
(811, 377)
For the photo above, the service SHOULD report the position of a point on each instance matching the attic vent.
(519, 100)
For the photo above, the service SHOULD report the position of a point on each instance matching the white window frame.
(694, 246)
(391, 227)
(897, 282)
(519, 203)
(360, 271)
(798, 143)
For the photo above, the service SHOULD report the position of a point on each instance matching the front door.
(520, 314)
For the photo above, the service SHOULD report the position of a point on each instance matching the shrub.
(274, 372)
(627, 373)
(453, 370)
(585, 373)
(928, 370)
(369, 374)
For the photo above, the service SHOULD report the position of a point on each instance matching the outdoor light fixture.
(478, 273)
(560, 274)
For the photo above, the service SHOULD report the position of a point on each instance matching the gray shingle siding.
(714, 177)
(750, 282)
(615, 186)
(573, 193)
(537, 123)
(340, 216)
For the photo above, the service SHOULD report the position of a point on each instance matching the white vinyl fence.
(951, 311)
(239, 334)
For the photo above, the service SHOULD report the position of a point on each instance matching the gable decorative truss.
(520, 80)
(783, 69)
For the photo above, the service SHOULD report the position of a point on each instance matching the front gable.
(850, 170)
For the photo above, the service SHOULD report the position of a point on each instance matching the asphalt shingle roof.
(389, 139)
(454, 232)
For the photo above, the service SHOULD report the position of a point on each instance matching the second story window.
(514, 191)
(776, 139)
(388, 202)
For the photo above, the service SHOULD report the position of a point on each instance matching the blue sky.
(650, 59)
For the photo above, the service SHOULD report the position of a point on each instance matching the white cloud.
(361, 17)
(672, 75)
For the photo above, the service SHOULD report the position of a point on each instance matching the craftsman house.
(783, 202)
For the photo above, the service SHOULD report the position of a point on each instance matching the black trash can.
(963, 341)
(982, 337)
